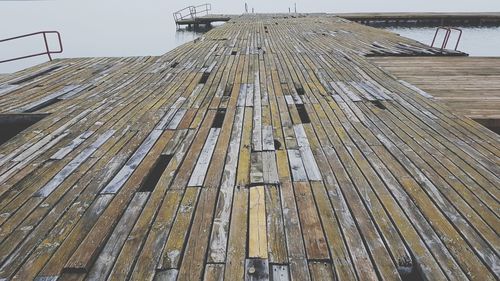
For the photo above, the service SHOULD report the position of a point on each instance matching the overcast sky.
(146, 27)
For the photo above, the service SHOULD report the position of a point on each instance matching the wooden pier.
(433, 19)
(270, 148)
(204, 20)
(194, 16)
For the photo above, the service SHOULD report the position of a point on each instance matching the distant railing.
(449, 31)
(47, 52)
(183, 14)
(204, 8)
(192, 12)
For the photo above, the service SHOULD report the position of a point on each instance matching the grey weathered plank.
(73, 165)
(122, 176)
(296, 165)
(200, 170)
(107, 257)
(280, 272)
(61, 153)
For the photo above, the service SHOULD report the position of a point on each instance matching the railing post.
(459, 37)
(47, 45)
(446, 38)
(192, 12)
(435, 36)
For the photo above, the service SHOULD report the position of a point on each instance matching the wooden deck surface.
(469, 85)
(269, 148)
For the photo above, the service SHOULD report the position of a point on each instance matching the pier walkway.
(207, 19)
(433, 19)
(271, 147)
(460, 19)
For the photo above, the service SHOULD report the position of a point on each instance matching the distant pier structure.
(194, 16)
(432, 19)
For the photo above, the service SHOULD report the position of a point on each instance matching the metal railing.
(183, 14)
(449, 31)
(47, 52)
(192, 12)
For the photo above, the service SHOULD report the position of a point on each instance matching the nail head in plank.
(280, 272)
(256, 270)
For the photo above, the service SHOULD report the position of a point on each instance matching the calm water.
(138, 28)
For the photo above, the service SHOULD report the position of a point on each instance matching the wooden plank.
(200, 170)
(275, 226)
(194, 257)
(299, 269)
(108, 255)
(342, 263)
(69, 226)
(220, 230)
(166, 275)
(310, 165)
(297, 166)
(185, 170)
(347, 219)
(294, 241)
(243, 173)
(187, 119)
(150, 254)
(257, 133)
(312, 231)
(117, 182)
(91, 215)
(73, 165)
(269, 168)
(87, 251)
(174, 247)
(214, 272)
(280, 273)
(267, 138)
(63, 152)
(242, 95)
(170, 114)
(321, 271)
(300, 134)
(257, 236)
(256, 168)
(237, 240)
(176, 120)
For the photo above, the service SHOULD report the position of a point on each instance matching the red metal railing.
(47, 52)
(449, 31)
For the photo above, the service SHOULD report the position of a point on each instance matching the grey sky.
(145, 27)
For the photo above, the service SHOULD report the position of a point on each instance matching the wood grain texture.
(269, 148)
